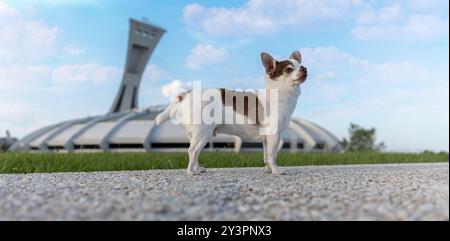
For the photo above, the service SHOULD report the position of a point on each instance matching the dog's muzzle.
(303, 74)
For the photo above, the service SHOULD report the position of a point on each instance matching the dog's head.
(289, 72)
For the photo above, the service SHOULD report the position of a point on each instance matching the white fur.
(165, 115)
(288, 86)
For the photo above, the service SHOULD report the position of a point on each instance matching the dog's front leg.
(193, 155)
(272, 151)
(194, 165)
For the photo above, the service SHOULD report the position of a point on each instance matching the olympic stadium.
(126, 127)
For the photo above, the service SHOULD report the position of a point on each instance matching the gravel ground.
(366, 192)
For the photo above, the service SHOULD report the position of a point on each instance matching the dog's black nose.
(304, 70)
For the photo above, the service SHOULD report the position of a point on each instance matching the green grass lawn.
(88, 162)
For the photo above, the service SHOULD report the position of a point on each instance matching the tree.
(361, 139)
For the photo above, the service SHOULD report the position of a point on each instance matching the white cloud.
(384, 15)
(328, 66)
(152, 91)
(20, 77)
(175, 87)
(326, 75)
(73, 50)
(25, 39)
(327, 56)
(63, 3)
(260, 17)
(426, 26)
(417, 26)
(390, 13)
(192, 11)
(428, 5)
(154, 73)
(204, 54)
(337, 75)
(85, 73)
(17, 111)
(6, 10)
(405, 73)
(400, 22)
(32, 77)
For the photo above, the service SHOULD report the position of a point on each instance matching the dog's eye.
(289, 70)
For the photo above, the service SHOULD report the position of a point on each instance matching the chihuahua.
(283, 77)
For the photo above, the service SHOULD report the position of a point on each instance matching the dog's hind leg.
(201, 135)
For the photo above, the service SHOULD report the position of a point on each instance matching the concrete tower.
(142, 40)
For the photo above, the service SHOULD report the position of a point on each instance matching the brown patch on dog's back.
(280, 66)
(222, 94)
(248, 105)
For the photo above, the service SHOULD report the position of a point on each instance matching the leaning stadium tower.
(126, 127)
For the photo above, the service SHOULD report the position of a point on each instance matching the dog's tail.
(172, 108)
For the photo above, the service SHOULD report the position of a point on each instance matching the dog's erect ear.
(297, 56)
(269, 62)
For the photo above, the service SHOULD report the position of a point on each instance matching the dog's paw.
(268, 169)
(277, 172)
(193, 172)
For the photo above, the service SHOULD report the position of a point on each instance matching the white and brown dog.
(283, 76)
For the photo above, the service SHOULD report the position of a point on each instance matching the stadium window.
(286, 145)
(251, 145)
(81, 147)
(223, 144)
(134, 99)
(126, 146)
(320, 146)
(55, 148)
(170, 145)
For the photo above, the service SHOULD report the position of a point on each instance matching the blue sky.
(381, 64)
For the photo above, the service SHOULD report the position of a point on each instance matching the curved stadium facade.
(129, 128)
